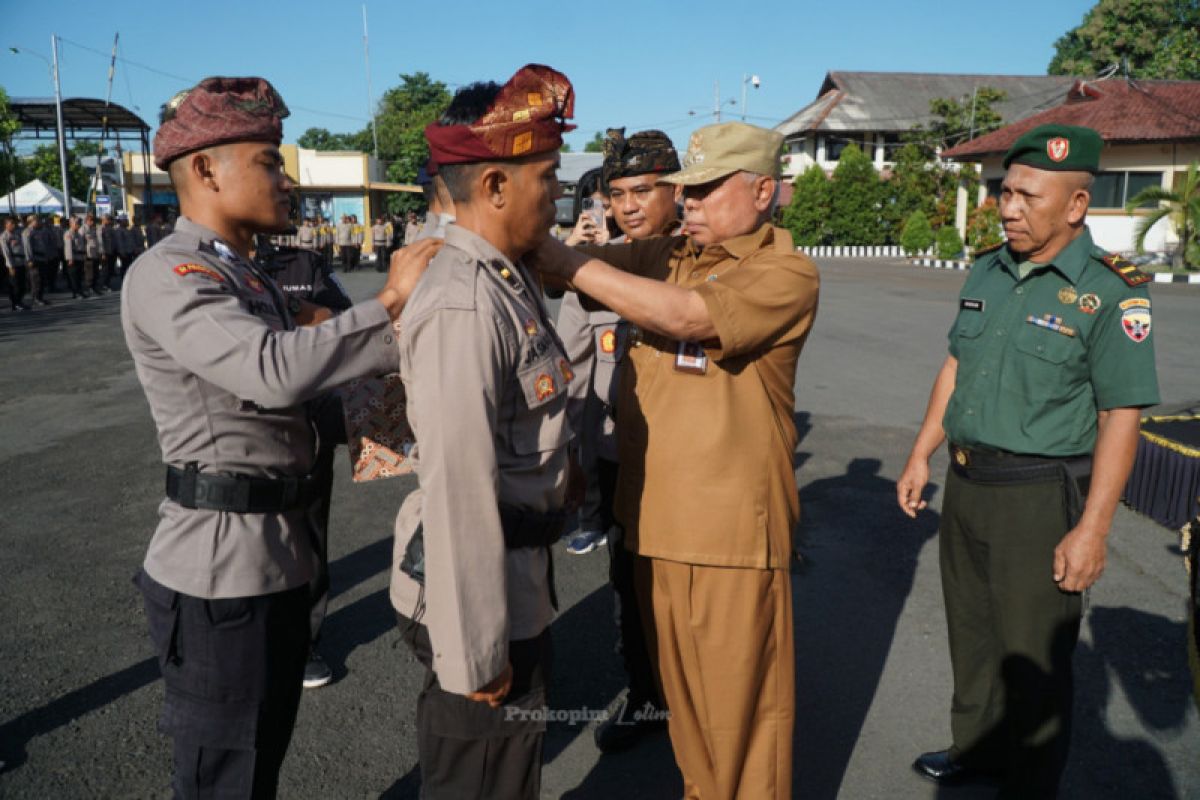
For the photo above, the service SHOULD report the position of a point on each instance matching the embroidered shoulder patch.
(183, 270)
(1125, 270)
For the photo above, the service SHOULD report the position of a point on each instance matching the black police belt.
(1001, 468)
(240, 494)
(520, 528)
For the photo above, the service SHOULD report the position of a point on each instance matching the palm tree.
(1182, 206)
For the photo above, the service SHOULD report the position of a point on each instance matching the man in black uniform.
(301, 276)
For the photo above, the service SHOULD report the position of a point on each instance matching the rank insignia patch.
(1089, 303)
(183, 270)
(1067, 295)
(543, 387)
(608, 342)
(1136, 323)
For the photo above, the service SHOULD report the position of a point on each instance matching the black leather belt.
(1000, 468)
(241, 494)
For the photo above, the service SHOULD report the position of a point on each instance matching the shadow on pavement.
(62, 313)
(17, 732)
(858, 557)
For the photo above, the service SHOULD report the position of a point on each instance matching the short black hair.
(469, 104)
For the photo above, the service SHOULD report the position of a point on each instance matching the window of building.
(993, 188)
(1115, 189)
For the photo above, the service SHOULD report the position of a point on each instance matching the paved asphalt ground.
(81, 478)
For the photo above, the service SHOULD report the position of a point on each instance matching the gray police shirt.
(226, 374)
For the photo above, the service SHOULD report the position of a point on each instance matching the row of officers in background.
(345, 240)
(87, 254)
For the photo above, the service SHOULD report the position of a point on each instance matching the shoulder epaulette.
(989, 249)
(1126, 270)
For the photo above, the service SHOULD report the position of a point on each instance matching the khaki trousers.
(722, 641)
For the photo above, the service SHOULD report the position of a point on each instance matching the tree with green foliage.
(9, 167)
(854, 207)
(322, 139)
(914, 185)
(43, 164)
(948, 242)
(595, 144)
(917, 236)
(983, 225)
(1181, 206)
(807, 215)
(1147, 38)
(403, 113)
(958, 119)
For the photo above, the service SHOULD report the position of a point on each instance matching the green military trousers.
(1012, 632)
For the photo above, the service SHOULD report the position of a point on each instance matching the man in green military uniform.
(1051, 358)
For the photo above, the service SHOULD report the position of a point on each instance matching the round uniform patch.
(1058, 149)
(1136, 323)
(1067, 295)
(608, 342)
(543, 387)
(1089, 303)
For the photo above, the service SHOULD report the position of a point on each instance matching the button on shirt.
(1039, 357)
(226, 377)
(486, 380)
(706, 460)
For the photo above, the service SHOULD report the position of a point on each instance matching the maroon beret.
(218, 111)
(527, 117)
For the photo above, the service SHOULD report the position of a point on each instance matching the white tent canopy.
(37, 197)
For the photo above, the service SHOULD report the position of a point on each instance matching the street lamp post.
(62, 135)
(754, 81)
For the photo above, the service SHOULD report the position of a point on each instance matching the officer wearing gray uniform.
(13, 249)
(93, 267)
(306, 235)
(226, 372)
(486, 381)
(74, 249)
(39, 253)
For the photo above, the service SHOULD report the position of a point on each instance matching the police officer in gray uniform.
(486, 380)
(12, 247)
(39, 253)
(226, 371)
(93, 267)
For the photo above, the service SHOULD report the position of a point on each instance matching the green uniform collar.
(1070, 262)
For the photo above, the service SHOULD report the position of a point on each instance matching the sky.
(647, 64)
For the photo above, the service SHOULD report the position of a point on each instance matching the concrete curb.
(937, 263)
(1167, 277)
(857, 251)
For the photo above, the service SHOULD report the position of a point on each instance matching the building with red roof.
(1151, 132)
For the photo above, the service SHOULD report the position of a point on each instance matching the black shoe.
(316, 671)
(941, 768)
(631, 722)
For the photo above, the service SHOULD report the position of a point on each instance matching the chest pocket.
(542, 424)
(1048, 345)
(968, 325)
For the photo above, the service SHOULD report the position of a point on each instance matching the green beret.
(1062, 148)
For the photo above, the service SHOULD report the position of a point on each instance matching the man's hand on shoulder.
(407, 266)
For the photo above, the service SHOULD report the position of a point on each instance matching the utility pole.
(974, 92)
(112, 70)
(370, 97)
(62, 133)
